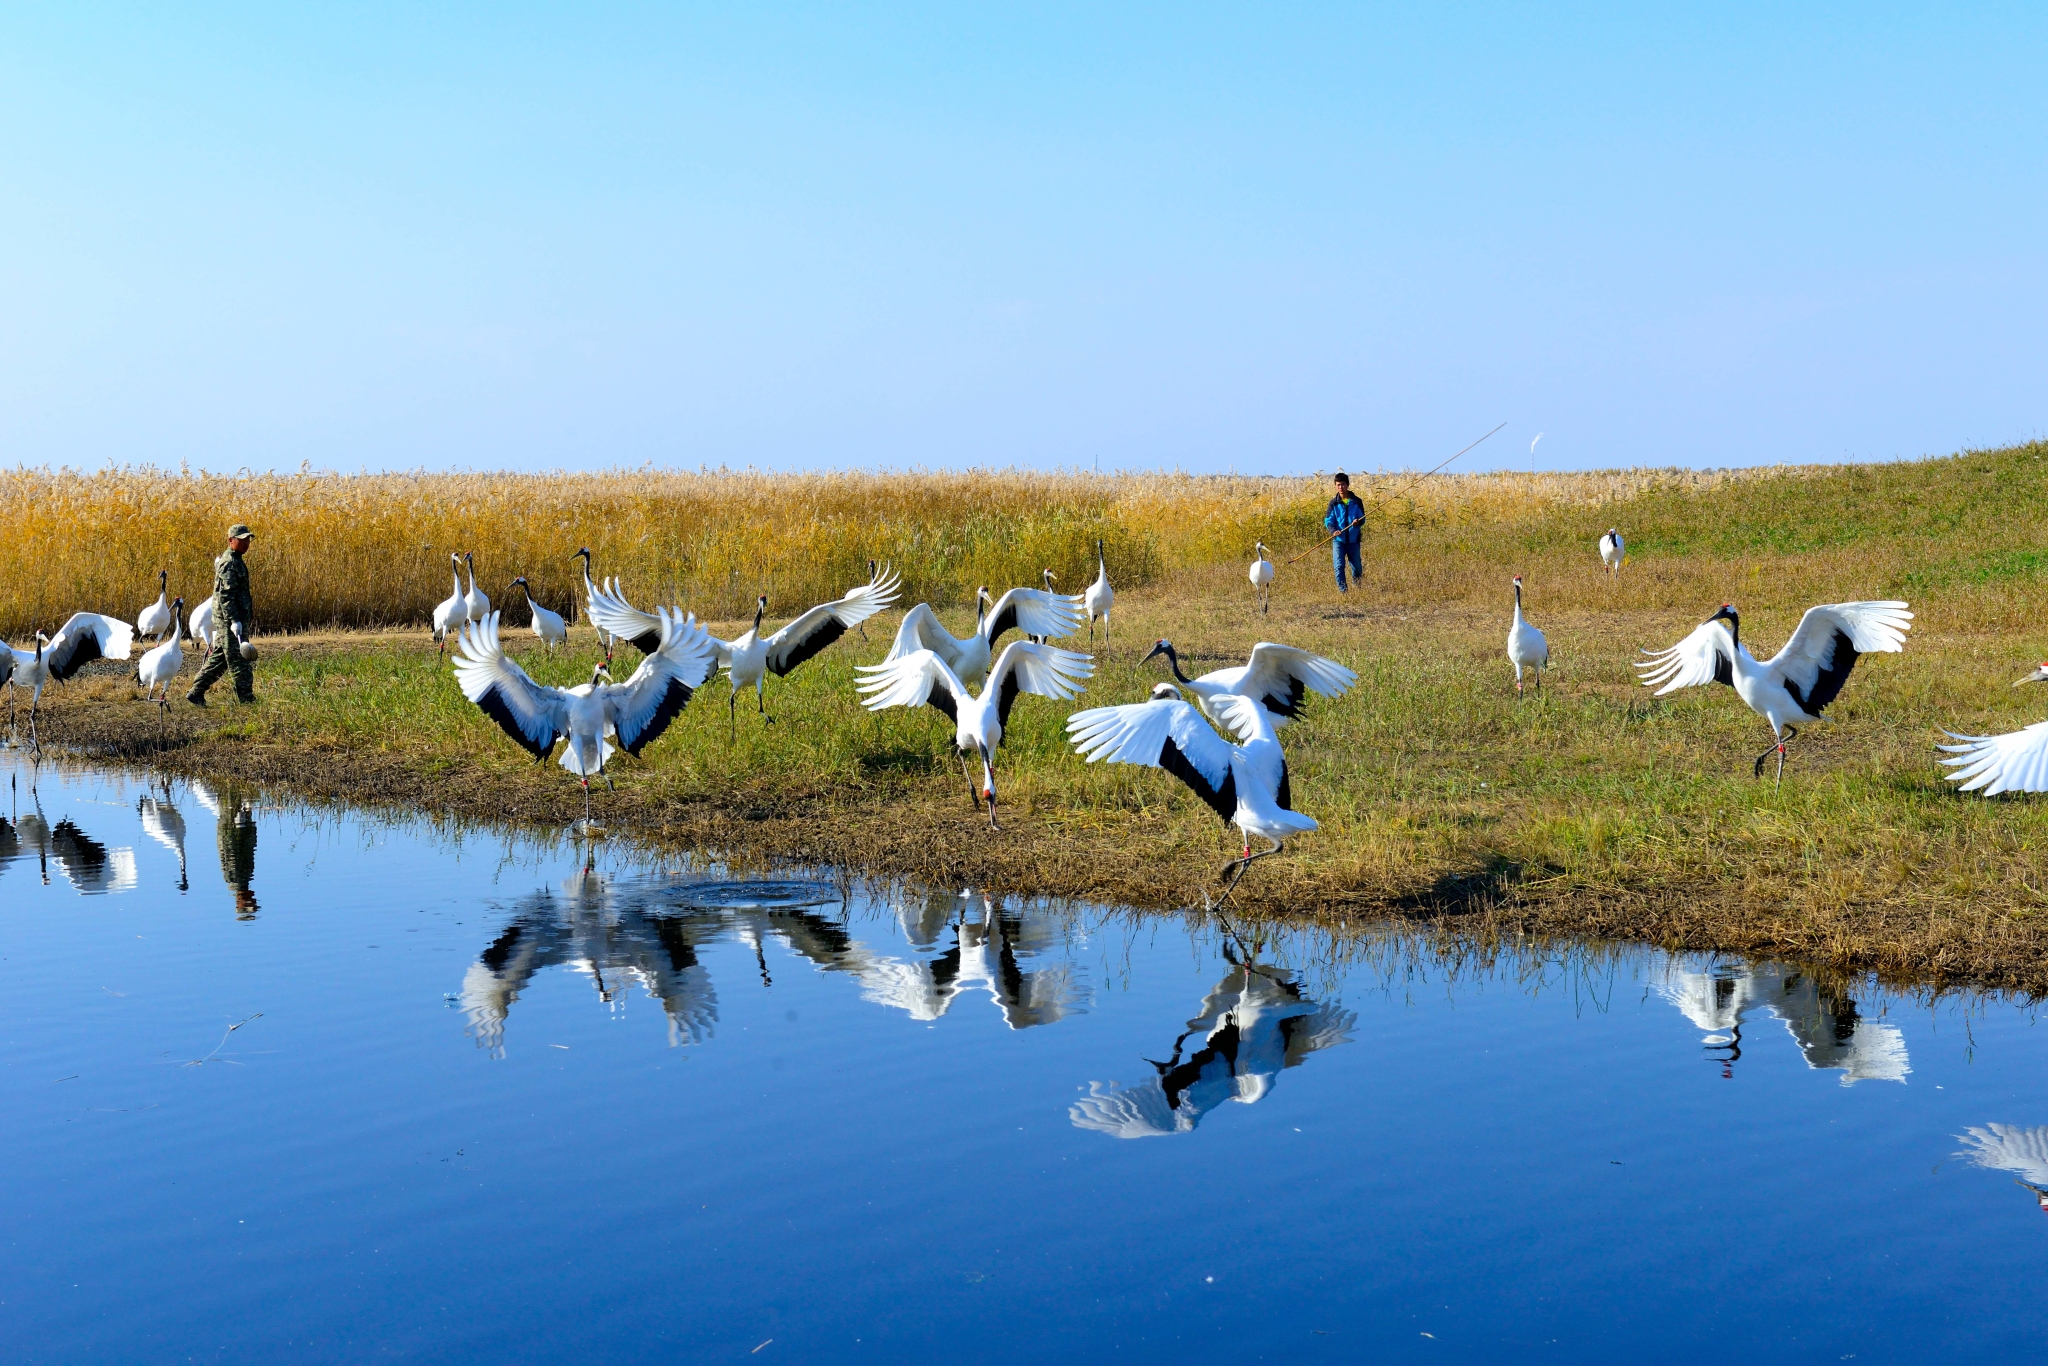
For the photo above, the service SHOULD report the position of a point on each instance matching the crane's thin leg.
(732, 715)
(586, 803)
(1241, 864)
(973, 797)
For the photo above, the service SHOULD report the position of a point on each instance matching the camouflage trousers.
(224, 658)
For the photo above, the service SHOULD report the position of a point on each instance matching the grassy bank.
(1591, 808)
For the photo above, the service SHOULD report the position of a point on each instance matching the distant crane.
(1526, 645)
(157, 618)
(1795, 684)
(752, 657)
(549, 626)
(922, 678)
(475, 603)
(1613, 551)
(1262, 577)
(452, 612)
(1099, 597)
(1244, 783)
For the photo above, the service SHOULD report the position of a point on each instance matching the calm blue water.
(483, 1103)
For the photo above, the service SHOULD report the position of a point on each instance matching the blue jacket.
(1346, 515)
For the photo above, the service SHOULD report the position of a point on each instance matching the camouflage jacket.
(231, 601)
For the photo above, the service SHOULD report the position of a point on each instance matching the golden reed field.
(371, 550)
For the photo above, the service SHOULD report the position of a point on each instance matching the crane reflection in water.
(622, 934)
(2023, 1152)
(89, 865)
(1253, 1024)
(1823, 1020)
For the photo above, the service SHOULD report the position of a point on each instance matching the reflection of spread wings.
(2009, 1148)
(1140, 1111)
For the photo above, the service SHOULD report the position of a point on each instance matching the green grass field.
(1589, 807)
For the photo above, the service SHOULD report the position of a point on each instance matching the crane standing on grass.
(1099, 597)
(1526, 645)
(85, 637)
(1262, 577)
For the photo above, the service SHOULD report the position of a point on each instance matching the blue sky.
(1271, 238)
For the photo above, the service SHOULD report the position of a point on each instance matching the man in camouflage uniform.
(232, 609)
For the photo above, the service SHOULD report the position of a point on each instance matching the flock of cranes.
(1223, 745)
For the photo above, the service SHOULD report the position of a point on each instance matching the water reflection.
(611, 939)
(1822, 1020)
(989, 949)
(87, 864)
(234, 818)
(2010, 1148)
(165, 824)
(623, 933)
(1253, 1023)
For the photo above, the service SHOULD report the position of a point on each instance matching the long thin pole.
(1403, 489)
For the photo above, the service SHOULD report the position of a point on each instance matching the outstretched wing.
(641, 708)
(535, 717)
(1042, 670)
(1279, 678)
(84, 638)
(1164, 734)
(922, 630)
(1991, 764)
(1815, 663)
(828, 621)
(1705, 656)
(912, 681)
(609, 612)
(1035, 612)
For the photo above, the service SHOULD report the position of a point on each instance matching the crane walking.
(1526, 645)
(85, 637)
(1099, 597)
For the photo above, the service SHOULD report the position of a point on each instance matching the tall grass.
(372, 550)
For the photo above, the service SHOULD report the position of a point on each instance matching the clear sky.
(1263, 237)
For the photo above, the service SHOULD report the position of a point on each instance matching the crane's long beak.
(2039, 675)
(1157, 650)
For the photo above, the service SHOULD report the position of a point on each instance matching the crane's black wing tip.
(494, 705)
(674, 698)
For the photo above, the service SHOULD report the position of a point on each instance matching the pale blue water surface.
(301, 1084)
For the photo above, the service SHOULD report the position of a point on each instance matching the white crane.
(475, 603)
(1991, 764)
(1244, 783)
(1613, 551)
(85, 637)
(1792, 687)
(200, 625)
(1046, 576)
(549, 626)
(1099, 597)
(451, 613)
(1262, 576)
(1030, 610)
(752, 657)
(160, 665)
(1526, 645)
(591, 593)
(157, 618)
(923, 677)
(635, 712)
(1277, 677)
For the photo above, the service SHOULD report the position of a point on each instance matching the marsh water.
(303, 1084)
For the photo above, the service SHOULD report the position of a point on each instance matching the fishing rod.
(1376, 498)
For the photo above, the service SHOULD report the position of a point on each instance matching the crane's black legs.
(1779, 750)
(973, 795)
(1243, 863)
(992, 813)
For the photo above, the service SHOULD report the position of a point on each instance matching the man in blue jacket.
(1346, 517)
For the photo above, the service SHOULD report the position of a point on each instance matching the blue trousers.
(1342, 549)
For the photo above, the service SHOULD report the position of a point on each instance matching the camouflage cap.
(240, 532)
